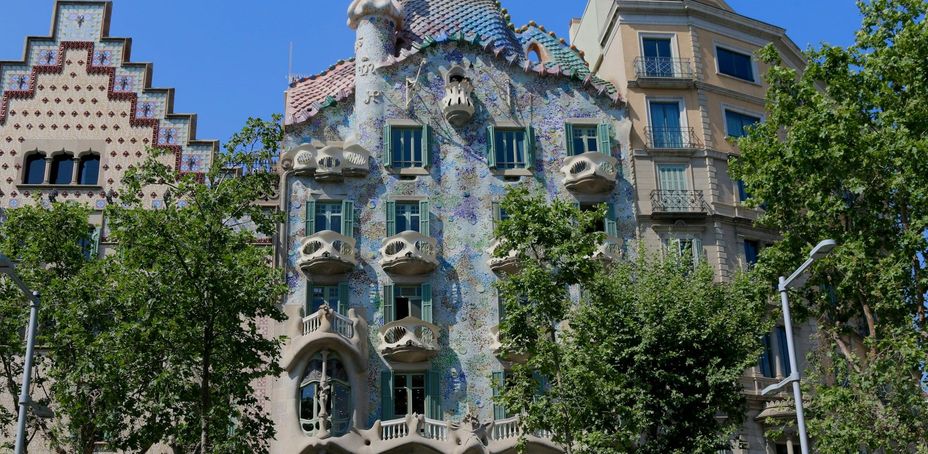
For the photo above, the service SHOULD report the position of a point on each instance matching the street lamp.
(7, 267)
(797, 279)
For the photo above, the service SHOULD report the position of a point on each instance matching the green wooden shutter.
(348, 218)
(569, 136)
(530, 147)
(424, 223)
(497, 215)
(501, 306)
(605, 140)
(427, 303)
(391, 217)
(386, 395)
(426, 145)
(389, 311)
(432, 395)
(95, 241)
(697, 251)
(387, 145)
(499, 411)
(344, 296)
(611, 227)
(307, 306)
(491, 146)
(310, 217)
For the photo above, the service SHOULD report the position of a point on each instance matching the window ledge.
(59, 186)
(417, 171)
(512, 172)
(727, 76)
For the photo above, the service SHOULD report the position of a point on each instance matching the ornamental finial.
(360, 9)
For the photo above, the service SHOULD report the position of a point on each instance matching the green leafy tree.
(198, 285)
(646, 362)
(843, 154)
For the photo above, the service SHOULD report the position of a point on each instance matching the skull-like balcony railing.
(590, 173)
(409, 253)
(409, 340)
(457, 105)
(509, 263)
(331, 163)
(327, 253)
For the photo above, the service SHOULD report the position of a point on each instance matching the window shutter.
(391, 217)
(344, 296)
(387, 305)
(605, 138)
(95, 242)
(308, 306)
(611, 227)
(497, 215)
(530, 147)
(499, 411)
(387, 145)
(310, 217)
(426, 146)
(386, 395)
(432, 395)
(784, 350)
(569, 137)
(765, 358)
(348, 218)
(697, 251)
(424, 218)
(501, 306)
(491, 146)
(427, 303)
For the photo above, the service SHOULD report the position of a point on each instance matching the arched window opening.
(35, 168)
(62, 169)
(88, 171)
(325, 396)
(536, 54)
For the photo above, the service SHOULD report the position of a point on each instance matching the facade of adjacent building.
(688, 71)
(76, 112)
(396, 161)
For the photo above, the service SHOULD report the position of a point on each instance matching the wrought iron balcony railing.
(678, 202)
(664, 68)
(661, 137)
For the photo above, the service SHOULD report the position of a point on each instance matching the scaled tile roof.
(482, 23)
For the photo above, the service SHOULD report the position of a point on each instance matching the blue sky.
(228, 58)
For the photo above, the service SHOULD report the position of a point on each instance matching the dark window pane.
(35, 169)
(743, 194)
(62, 168)
(402, 307)
(751, 250)
(407, 217)
(510, 149)
(737, 123)
(766, 359)
(307, 401)
(406, 143)
(784, 350)
(89, 171)
(418, 400)
(735, 64)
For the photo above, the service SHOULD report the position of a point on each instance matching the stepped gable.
(80, 33)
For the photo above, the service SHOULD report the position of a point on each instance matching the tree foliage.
(843, 154)
(648, 359)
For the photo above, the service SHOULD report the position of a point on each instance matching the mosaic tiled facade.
(408, 55)
(76, 91)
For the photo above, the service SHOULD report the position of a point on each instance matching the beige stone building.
(689, 74)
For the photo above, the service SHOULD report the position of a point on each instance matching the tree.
(52, 245)
(648, 359)
(843, 154)
(198, 287)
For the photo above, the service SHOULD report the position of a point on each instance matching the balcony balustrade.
(409, 253)
(672, 203)
(457, 104)
(667, 138)
(327, 253)
(331, 163)
(337, 323)
(409, 340)
(664, 72)
(506, 264)
(590, 173)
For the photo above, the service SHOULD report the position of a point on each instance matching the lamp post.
(7, 267)
(797, 279)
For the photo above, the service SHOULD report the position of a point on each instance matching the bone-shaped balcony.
(331, 163)
(327, 253)
(590, 173)
(409, 253)
(409, 340)
(508, 263)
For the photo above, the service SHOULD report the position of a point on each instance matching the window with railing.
(325, 396)
(335, 296)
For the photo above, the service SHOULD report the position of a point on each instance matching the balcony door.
(672, 184)
(658, 57)
(666, 131)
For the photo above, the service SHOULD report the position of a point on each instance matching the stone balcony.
(409, 254)
(327, 253)
(590, 173)
(326, 328)
(409, 340)
(509, 263)
(329, 164)
(457, 105)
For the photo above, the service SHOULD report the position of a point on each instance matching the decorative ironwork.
(660, 137)
(663, 68)
(677, 202)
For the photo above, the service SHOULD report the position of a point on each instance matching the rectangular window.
(336, 296)
(743, 194)
(687, 248)
(500, 380)
(782, 449)
(672, 177)
(751, 251)
(510, 149)
(408, 394)
(408, 216)
(658, 58)
(766, 359)
(784, 351)
(666, 128)
(407, 147)
(735, 64)
(737, 123)
(408, 301)
(585, 139)
(328, 216)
